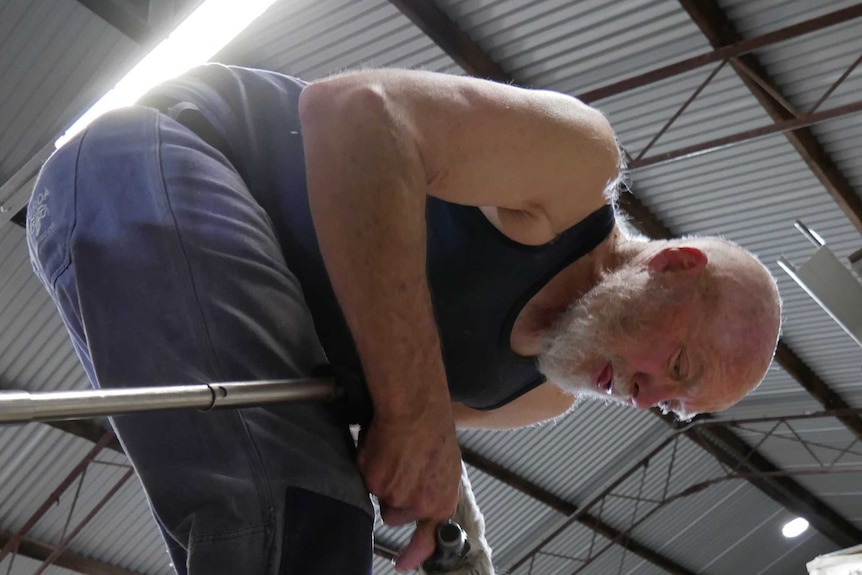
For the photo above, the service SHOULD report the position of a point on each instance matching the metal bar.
(844, 452)
(796, 438)
(837, 83)
(724, 52)
(742, 67)
(78, 528)
(747, 135)
(682, 109)
(707, 421)
(750, 450)
(72, 507)
(20, 406)
(67, 560)
(804, 443)
(798, 472)
(49, 501)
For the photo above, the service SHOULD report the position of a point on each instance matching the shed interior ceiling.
(606, 490)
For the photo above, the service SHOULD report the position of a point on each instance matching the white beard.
(591, 328)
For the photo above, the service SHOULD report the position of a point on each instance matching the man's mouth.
(605, 381)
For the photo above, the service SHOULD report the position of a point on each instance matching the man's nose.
(648, 391)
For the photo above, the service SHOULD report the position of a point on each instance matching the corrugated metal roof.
(751, 525)
(306, 39)
(575, 46)
(724, 107)
(36, 458)
(575, 451)
(55, 59)
(757, 17)
(26, 566)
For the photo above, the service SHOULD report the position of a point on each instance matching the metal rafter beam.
(803, 374)
(41, 551)
(725, 52)
(720, 31)
(590, 521)
(121, 18)
(87, 429)
(732, 451)
(452, 39)
(779, 127)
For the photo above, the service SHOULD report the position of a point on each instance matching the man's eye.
(677, 365)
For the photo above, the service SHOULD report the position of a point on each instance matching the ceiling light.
(197, 39)
(794, 528)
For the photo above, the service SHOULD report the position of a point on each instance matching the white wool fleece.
(469, 517)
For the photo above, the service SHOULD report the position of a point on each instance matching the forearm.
(367, 189)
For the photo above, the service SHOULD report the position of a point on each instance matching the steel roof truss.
(720, 31)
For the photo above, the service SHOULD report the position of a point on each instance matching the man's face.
(636, 341)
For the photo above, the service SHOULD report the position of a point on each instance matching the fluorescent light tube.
(197, 39)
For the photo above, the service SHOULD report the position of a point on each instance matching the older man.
(450, 239)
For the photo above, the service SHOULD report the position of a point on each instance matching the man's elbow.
(340, 99)
(608, 160)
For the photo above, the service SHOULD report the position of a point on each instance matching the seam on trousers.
(230, 534)
(255, 462)
(208, 348)
(67, 252)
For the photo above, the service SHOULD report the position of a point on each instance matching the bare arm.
(544, 403)
(376, 144)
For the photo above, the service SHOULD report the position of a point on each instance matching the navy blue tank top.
(480, 279)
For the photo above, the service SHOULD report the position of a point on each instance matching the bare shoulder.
(538, 161)
(543, 403)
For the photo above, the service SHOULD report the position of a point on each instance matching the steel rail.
(23, 407)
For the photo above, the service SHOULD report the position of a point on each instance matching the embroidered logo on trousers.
(36, 212)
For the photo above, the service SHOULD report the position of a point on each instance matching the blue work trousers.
(166, 270)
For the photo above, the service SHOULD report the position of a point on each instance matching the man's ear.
(684, 260)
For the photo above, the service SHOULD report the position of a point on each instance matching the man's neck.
(618, 251)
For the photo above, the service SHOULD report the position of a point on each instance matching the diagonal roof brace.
(733, 452)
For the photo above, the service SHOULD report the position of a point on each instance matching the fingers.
(396, 516)
(420, 548)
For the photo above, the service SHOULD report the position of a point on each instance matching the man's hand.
(413, 465)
